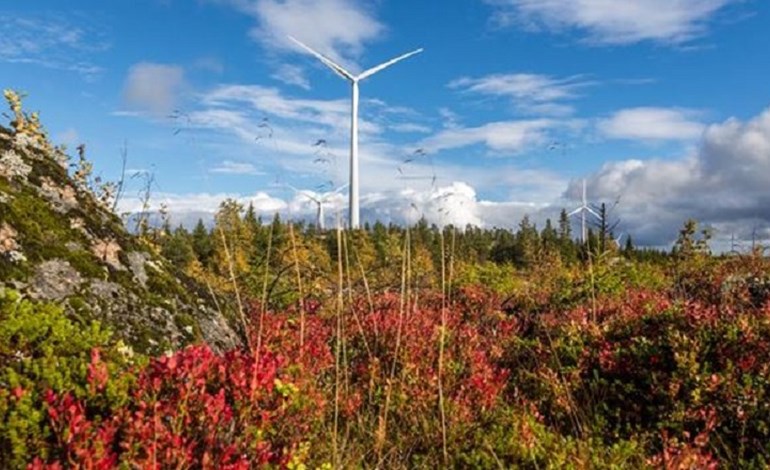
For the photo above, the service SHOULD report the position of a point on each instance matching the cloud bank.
(723, 183)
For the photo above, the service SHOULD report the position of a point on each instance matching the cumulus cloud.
(530, 93)
(188, 208)
(723, 183)
(153, 88)
(614, 22)
(456, 203)
(652, 124)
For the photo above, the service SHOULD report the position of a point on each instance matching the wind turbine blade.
(373, 70)
(327, 61)
(311, 197)
(593, 212)
(291, 187)
(341, 188)
(576, 211)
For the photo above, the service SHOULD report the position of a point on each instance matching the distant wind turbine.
(354, 80)
(618, 239)
(319, 200)
(583, 210)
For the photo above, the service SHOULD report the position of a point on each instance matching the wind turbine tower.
(583, 210)
(354, 81)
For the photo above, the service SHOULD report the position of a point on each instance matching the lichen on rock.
(12, 166)
(54, 280)
(136, 263)
(62, 198)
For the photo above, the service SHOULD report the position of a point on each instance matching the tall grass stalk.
(338, 350)
(382, 428)
(299, 288)
(263, 306)
(356, 317)
(231, 268)
(442, 339)
(368, 291)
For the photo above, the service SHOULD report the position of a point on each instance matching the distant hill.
(60, 241)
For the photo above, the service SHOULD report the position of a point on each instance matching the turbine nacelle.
(339, 70)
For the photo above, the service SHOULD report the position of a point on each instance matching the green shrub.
(42, 349)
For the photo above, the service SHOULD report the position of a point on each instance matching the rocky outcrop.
(60, 242)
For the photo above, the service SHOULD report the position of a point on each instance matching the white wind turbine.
(354, 80)
(583, 210)
(319, 200)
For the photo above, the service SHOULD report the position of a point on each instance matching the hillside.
(59, 241)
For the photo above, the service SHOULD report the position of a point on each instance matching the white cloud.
(529, 93)
(236, 168)
(272, 102)
(614, 21)
(410, 127)
(456, 203)
(209, 64)
(449, 118)
(652, 124)
(337, 28)
(509, 136)
(291, 75)
(202, 204)
(154, 88)
(53, 43)
(723, 183)
(280, 131)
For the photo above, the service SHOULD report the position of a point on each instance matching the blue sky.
(659, 104)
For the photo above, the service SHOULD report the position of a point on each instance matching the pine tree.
(549, 238)
(567, 248)
(629, 248)
(201, 243)
(527, 241)
(177, 247)
(565, 226)
(229, 228)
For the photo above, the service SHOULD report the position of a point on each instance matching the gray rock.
(106, 290)
(217, 332)
(54, 280)
(136, 262)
